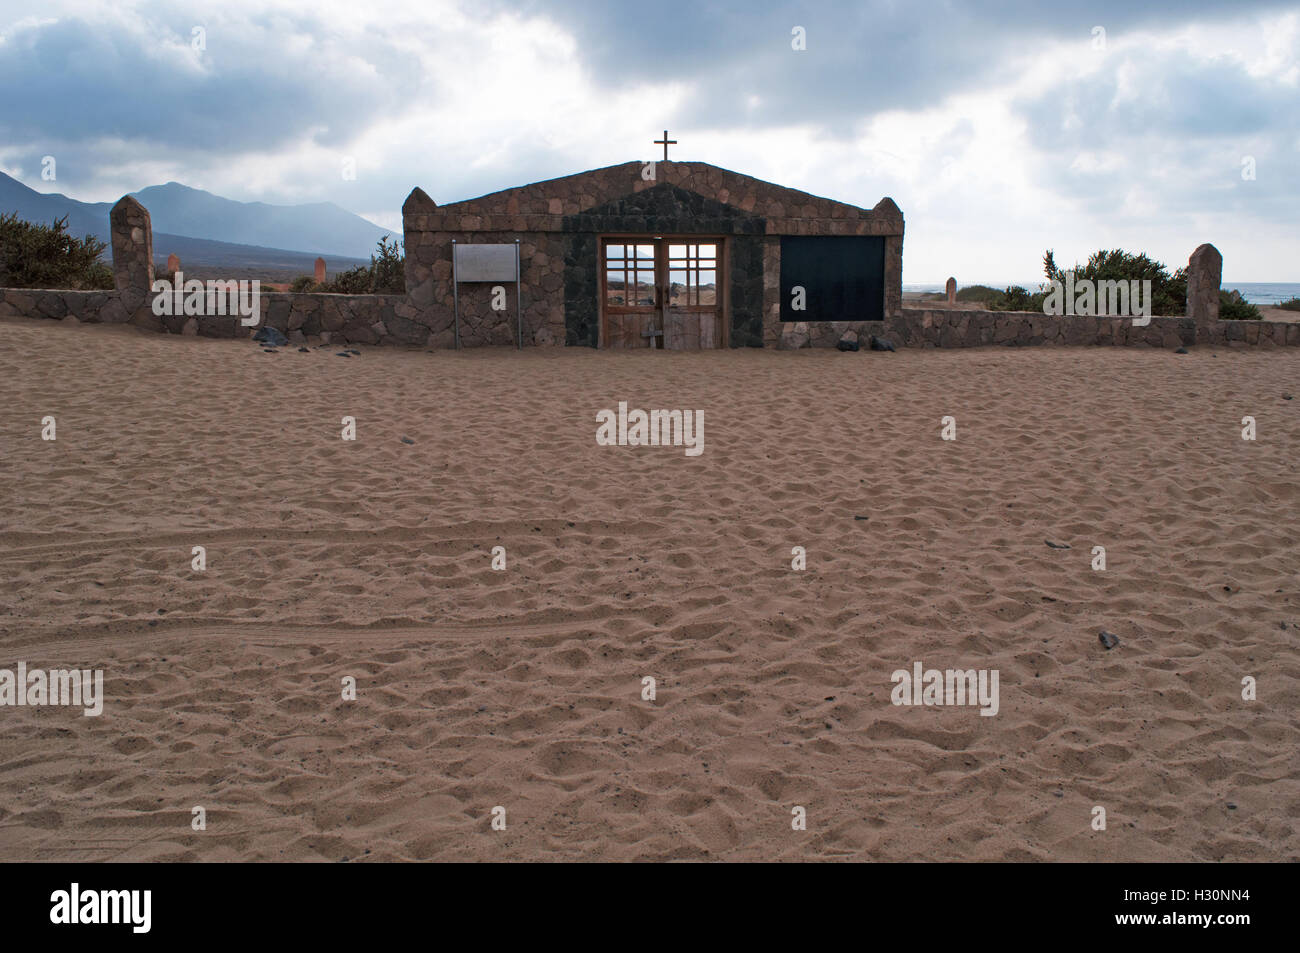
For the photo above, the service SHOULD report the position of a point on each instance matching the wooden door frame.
(661, 243)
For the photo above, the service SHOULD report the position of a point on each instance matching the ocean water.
(1256, 292)
(1265, 292)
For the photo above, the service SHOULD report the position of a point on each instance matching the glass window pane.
(615, 288)
(708, 293)
(677, 288)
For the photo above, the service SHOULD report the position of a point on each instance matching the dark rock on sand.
(1108, 640)
(271, 336)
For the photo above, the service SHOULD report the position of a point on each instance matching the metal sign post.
(455, 293)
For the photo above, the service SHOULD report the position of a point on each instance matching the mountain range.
(207, 229)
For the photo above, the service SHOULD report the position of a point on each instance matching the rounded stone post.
(951, 288)
(1204, 274)
(891, 220)
(418, 242)
(132, 236)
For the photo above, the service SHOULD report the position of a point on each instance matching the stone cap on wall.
(542, 206)
(417, 202)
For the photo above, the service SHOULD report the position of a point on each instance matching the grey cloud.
(83, 81)
(861, 57)
(1181, 135)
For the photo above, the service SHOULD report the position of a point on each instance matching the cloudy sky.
(1066, 125)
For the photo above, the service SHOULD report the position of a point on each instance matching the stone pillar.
(132, 242)
(420, 253)
(173, 264)
(132, 235)
(951, 288)
(319, 274)
(771, 290)
(891, 220)
(1204, 273)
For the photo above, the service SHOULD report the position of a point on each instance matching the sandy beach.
(522, 688)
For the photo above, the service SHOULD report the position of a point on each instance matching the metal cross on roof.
(665, 142)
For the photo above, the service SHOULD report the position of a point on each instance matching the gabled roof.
(782, 208)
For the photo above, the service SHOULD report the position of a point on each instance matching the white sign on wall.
(487, 262)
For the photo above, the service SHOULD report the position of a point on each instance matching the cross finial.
(665, 142)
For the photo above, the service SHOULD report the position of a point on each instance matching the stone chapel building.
(671, 255)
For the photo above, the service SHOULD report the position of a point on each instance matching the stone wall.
(390, 319)
(87, 306)
(558, 226)
(333, 319)
(337, 319)
(951, 328)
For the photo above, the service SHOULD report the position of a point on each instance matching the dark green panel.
(843, 277)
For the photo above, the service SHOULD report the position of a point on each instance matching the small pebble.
(1108, 640)
(407, 440)
(342, 354)
(1181, 350)
(1056, 545)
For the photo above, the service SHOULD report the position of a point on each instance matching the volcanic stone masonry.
(560, 224)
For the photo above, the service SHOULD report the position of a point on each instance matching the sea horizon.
(1255, 292)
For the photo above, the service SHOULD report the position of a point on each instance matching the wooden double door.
(663, 292)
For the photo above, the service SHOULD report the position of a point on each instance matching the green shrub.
(46, 256)
(1016, 298)
(981, 294)
(388, 270)
(354, 281)
(1233, 307)
(1168, 291)
(386, 274)
(1291, 305)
